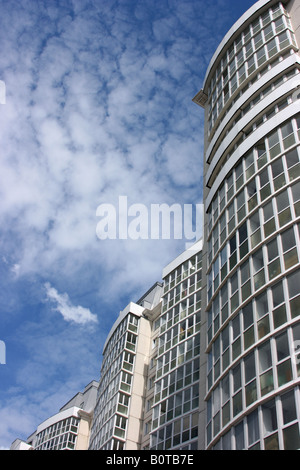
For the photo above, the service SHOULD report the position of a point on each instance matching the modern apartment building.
(119, 411)
(250, 327)
(69, 429)
(148, 394)
(175, 408)
(209, 359)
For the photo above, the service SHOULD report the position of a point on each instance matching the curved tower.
(252, 233)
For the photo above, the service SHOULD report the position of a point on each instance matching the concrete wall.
(136, 412)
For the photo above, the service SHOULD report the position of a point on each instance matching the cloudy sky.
(98, 106)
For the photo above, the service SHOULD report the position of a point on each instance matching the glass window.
(274, 144)
(278, 174)
(248, 316)
(272, 249)
(288, 239)
(269, 417)
(236, 331)
(266, 382)
(243, 233)
(284, 213)
(255, 229)
(282, 346)
(249, 363)
(258, 40)
(268, 32)
(277, 294)
(279, 25)
(272, 47)
(296, 198)
(293, 283)
(288, 407)
(264, 177)
(261, 56)
(287, 135)
(253, 427)
(259, 277)
(251, 65)
(268, 211)
(265, 358)
(291, 437)
(245, 272)
(292, 158)
(237, 403)
(283, 40)
(237, 381)
(225, 389)
(239, 436)
(284, 371)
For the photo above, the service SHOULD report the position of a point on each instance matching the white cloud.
(70, 313)
(98, 105)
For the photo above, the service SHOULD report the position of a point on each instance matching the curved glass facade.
(252, 239)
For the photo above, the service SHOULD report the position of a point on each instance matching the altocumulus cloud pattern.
(98, 105)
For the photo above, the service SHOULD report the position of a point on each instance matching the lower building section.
(148, 396)
(176, 384)
(69, 429)
(119, 412)
(272, 425)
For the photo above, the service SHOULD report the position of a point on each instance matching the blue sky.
(98, 105)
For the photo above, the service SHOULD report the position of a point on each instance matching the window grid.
(273, 425)
(110, 424)
(247, 204)
(176, 386)
(60, 435)
(257, 44)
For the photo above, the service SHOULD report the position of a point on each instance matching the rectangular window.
(283, 40)
(272, 48)
(291, 437)
(287, 135)
(288, 407)
(283, 206)
(253, 427)
(289, 248)
(274, 145)
(258, 265)
(258, 41)
(279, 25)
(268, 32)
(274, 268)
(292, 161)
(251, 66)
(233, 84)
(278, 174)
(252, 195)
(261, 57)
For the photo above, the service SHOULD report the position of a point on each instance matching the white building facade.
(252, 233)
(119, 412)
(69, 429)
